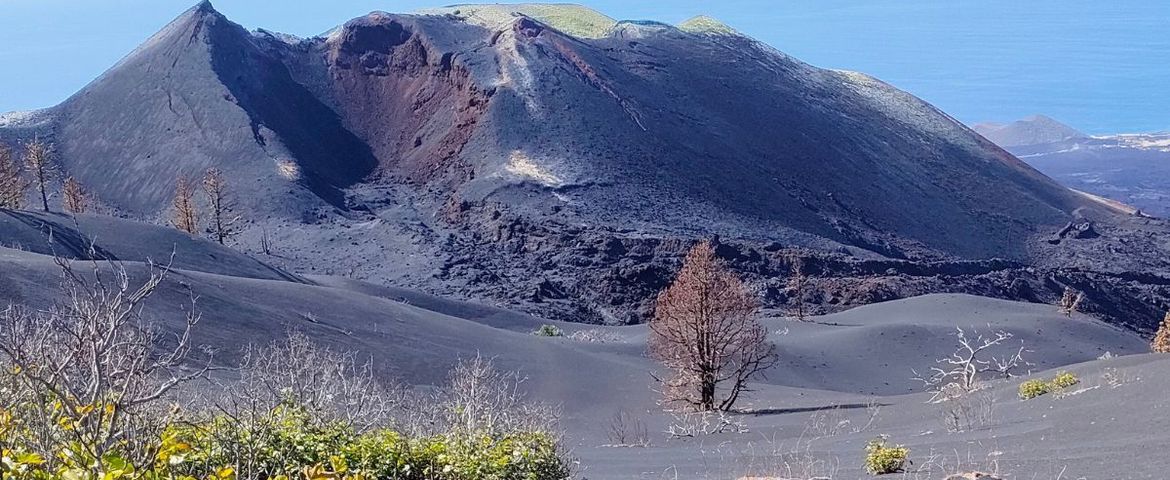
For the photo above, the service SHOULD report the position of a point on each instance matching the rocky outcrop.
(612, 276)
(1075, 230)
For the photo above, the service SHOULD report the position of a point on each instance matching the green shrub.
(1036, 387)
(286, 443)
(882, 459)
(289, 443)
(547, 330)
(1033, 388)
(1064, 380)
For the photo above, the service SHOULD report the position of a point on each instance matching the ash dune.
(86, 237)
(835, 365)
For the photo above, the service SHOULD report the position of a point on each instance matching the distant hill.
(1035, 130)
(1132, 168)
(540, 156)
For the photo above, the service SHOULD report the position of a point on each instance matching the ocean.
(1101, 67)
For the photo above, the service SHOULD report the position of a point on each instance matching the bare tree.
(265, 242)
(797, 283)
(12, 182)
(959, 373)
(1161, 343)
(93, 363)
(184, 215)
(73, 196)
(706, 333)
(38, 161)
(1070, 301)
(223, 218)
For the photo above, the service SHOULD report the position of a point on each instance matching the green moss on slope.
(703, 24)
(576, 20)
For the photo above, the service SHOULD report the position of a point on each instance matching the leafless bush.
(697, 424)
(806, 464)
(93, 360)
(826, 423)
(595, 335)
(782, 462)
(480, 399)
(960, 372)
(834, 421)
(1008, 366)
(954, 466)
(1114, 378)
(626, 430)
(335, 386)
(963, 411)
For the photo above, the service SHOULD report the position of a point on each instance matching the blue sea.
(1099, 66)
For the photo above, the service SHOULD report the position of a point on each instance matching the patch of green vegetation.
(1032, 389)
(881, 459)
(1037, 387)
(576, 20)
(1064, 380)
(705, 25)
(291, 443)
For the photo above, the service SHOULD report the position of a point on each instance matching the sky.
(1102, 67)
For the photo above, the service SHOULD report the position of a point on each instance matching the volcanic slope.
(471, 143)
(648, 125)
(848, 373)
